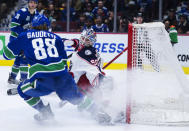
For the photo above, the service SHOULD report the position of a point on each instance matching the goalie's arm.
(73, 43)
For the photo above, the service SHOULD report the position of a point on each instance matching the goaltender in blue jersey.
(48, 72)
(20, 23)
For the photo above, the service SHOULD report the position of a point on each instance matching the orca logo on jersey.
(88, 52)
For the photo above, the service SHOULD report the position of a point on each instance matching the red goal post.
(130, 38)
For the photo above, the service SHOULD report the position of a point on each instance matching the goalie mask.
(88, 37)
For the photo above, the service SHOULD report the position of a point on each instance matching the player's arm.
(75, 43)
(15, 26)
(72, 43)
(12, 49)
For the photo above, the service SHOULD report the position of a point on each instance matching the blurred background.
(103, 15)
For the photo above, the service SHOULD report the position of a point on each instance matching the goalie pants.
(64, 86)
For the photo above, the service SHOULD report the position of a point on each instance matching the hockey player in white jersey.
(86, 62)
(86, 68)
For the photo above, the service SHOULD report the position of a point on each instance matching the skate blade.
(10, 86)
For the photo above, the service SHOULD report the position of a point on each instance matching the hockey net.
(157, 87)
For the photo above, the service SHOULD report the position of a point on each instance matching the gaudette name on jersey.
(39, 34)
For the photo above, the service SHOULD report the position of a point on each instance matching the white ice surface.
(16, 115)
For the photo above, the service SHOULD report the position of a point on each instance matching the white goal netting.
(157, 87)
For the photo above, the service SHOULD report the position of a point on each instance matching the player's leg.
(82, 81)
(23, 68)
(68, 90)
(14, 72)
(95, 91)
(31, 93)
(84, 85)
(104, 83)
(93, 79)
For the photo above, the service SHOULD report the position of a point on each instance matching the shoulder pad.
(23, 9)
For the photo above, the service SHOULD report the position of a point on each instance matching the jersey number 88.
(41, 52)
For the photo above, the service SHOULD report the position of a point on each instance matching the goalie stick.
(115, 58)
(14, 91)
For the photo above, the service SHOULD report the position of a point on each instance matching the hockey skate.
(62, 103)
(12, 91)
(103, 118)
(11, 80)
(96, 112)
(44, 114)
(120, 118)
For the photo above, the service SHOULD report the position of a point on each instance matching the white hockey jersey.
(86, 61)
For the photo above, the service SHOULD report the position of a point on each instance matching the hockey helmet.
(39, 20)
(88, 37)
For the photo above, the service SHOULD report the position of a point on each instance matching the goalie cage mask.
(88, 37)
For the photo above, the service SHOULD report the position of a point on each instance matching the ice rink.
(16, 115)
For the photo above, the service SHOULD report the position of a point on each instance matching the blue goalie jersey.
(43, 50)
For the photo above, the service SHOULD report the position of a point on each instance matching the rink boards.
(109, 45)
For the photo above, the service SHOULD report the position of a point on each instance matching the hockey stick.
(115, 58)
